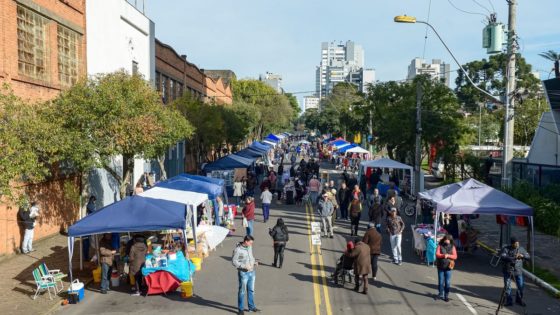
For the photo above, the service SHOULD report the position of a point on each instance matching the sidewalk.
(547, 254)
(16, 278)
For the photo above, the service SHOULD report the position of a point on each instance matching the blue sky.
(254, 36)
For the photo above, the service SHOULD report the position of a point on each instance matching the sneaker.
(255, 310)
(135, 294)
(103, 291)
(241, 313)
(446, 299)
(399, 263)
(332, 236)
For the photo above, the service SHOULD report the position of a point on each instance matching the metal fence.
(539, 175)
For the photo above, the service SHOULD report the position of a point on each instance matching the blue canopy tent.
(228, 162)
(217, 181)
(171, 209)
(260, 146)
(346, 148)
(250, 153)
(339, 143)
(272, 137)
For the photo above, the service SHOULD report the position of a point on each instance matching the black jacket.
(510, 262)
(279, 234)
(27, 221)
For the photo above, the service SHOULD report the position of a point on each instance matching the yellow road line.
(310, 218)
(316, 290)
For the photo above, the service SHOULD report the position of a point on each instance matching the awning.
(228, 162)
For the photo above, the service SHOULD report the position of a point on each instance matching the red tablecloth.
(161, 282)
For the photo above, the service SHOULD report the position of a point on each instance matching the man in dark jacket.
(280, 237)
(343, 199)
(373, 239)
(27, 217)
(512, 257)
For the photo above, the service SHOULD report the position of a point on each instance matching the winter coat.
(243, 258)
(395, 225)
(509, 261)
(26, 219)
(325, 208)
(249, 211)
(355, 208)
(343, 197)
(105, 250)
(237, 189)
(362, 261)
(373, 239)
(442, 263)
(137, 256)
(279, 234)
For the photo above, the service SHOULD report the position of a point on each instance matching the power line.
(492, 5)
(426, 35)
(467, 12)
(480, 5)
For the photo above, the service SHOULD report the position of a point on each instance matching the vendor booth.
(260, 147)
(225, 169)
(473, 197)
(384, 163)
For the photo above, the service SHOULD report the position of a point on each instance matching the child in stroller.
(344, 266)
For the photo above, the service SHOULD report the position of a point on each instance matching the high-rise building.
(310, 102)
(341, 62)
(273, 80)
(438, 70)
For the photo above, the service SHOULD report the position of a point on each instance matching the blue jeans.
(444, 282)
(105, 276)
(313, 195)
(246, 284)
(266, 210)
(249, 228)
(519, 282)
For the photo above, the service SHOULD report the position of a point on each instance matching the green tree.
(30, 144)
(115, 114)
(490, 75)
(342, 111)
(555, 58)
(274, 110)
(294, 104)
(239, 120)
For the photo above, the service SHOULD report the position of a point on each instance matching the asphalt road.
(303, 285)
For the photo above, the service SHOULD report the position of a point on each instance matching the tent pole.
(70, 252)
(193, 222)
(81, 253)
(532, 245)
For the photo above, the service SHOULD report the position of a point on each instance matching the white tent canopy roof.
(269, 142)
(357, 150)
(185, 197)
(385, 163)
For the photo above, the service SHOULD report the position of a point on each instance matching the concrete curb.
(541, 283)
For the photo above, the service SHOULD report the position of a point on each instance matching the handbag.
(451, 264)
(245, 223)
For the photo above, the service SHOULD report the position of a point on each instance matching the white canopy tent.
(357, 150)
(389, 164)
(190, 199)
(337, 147)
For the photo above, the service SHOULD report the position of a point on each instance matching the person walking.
(314, 189)
(343, 198)
(238, 190)
(446, 255)
(244, 261)
(266, 199)
(28, 217)
(280, 237)
(375, 212)
(395, 227)
(355, 208)
(249, 214)
(362, 264)
(136, 260)
(373, 239)
(107, 254)
(512, 257)
(325, 209)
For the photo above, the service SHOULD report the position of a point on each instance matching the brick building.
(42, 52)
(218, 92)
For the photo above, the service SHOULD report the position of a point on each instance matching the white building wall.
(118, 35)
(545, 148)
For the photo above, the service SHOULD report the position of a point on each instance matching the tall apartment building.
(310, 102)
(273, 80)
(437, 70)
(341, 62)
(42, 52)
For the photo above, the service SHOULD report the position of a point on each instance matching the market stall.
(473, 197)
(385, 163)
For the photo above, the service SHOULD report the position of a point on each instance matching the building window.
(164, 89)
(171, 89)
(158, 81)
(134, 67)
(32, 47)
(68, 55)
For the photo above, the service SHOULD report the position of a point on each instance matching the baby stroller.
(344, 270)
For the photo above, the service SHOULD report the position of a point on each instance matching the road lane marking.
(467, 304)
(316, 289)
(325, 286)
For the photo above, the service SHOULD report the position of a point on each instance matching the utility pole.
(509, 99)
(507, 155)
(418, 154)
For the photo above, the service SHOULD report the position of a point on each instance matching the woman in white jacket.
(238, 190)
